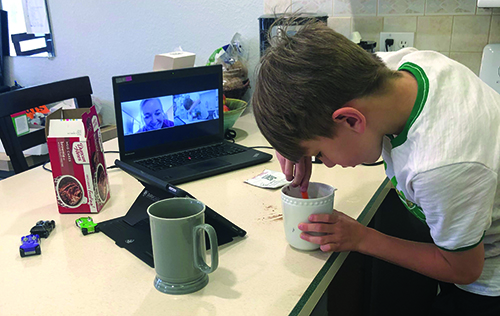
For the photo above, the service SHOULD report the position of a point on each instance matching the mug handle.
(198, 250)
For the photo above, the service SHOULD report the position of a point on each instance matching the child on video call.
(195, 110)
(437, 127)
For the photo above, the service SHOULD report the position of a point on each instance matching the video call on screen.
(168, 111)
(175, 110)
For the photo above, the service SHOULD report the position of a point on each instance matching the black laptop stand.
(133, 233)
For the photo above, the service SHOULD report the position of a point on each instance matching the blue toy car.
(30, 246)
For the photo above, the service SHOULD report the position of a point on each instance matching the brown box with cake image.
(77, 160)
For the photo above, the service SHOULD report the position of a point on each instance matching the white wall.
(104, 38)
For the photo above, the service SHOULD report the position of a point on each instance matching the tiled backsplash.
(456, 28)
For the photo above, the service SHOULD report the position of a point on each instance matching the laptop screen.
(160, 112)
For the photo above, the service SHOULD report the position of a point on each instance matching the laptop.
(170, 127)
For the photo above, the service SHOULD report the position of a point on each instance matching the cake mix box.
(77, 160)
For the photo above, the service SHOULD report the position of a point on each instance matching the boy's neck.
(389, 112)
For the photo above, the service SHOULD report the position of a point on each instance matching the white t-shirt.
(445, 164)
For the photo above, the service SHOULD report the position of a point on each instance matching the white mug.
(296, 210)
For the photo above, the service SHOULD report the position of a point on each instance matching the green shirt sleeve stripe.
(464, 248)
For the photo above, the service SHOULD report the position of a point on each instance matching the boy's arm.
(345, 234)
(461, 267)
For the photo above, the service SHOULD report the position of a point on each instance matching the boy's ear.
(351, 118)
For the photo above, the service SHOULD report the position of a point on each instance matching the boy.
(437, 127)
(195, 111)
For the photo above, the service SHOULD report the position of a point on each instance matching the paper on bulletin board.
(35, 16)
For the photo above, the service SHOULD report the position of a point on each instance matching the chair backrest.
(23, 99)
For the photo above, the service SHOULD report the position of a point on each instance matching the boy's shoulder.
(393, 59)
(422, 58)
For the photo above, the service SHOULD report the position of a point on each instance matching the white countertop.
(259, 274)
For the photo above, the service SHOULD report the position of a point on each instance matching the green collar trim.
(423, 91)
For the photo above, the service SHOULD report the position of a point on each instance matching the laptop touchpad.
(208, 165)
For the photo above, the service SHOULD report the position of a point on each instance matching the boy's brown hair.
(304, 78)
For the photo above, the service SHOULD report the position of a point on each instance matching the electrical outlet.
(399, 40)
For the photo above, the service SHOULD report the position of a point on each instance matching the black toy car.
(43, 228)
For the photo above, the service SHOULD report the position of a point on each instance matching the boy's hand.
(299, 172)
(342, 232)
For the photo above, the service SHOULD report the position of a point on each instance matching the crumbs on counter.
(272, 214)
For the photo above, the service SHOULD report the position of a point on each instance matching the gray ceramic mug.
(178, 236)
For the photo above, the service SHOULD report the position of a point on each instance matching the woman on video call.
(153, 116)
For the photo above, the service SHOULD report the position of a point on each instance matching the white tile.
(354, 8)
(401, 7)
(484, 11)
(470, 33)
(400, 24)
(494, 30)
(342, 8)
(364, 7)
(313, 6)
(368, 27)
(277, 6)
(434, 33)
(450, 7)
(470, 60)
(341, 25)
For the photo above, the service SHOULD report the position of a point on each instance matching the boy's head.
(188, 103)
(304, 78)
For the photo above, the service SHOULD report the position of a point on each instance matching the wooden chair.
(23, 99)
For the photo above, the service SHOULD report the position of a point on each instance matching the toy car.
(87, 225)
(30, 246)
(43, 228)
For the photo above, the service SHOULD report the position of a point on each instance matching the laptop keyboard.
(182, 158)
